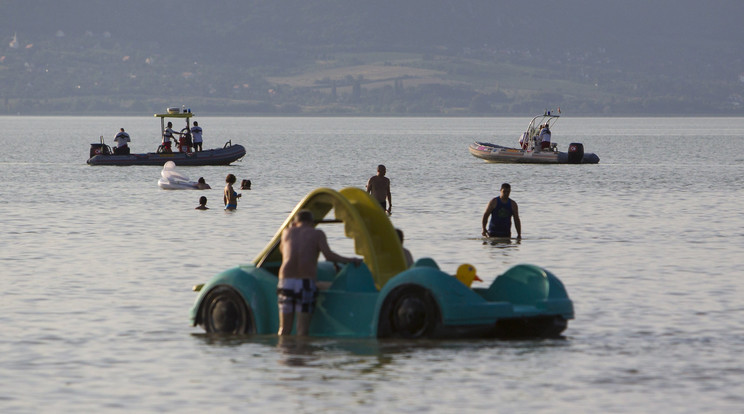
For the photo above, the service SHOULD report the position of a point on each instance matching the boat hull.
(500, 154)
(217, 156)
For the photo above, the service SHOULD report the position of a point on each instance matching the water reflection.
(296, 351)
(308, 351)
(502, 242)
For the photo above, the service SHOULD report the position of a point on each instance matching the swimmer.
(202, 204)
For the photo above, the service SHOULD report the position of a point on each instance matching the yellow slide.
(364, 221)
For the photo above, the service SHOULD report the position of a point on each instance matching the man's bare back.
(379, 187)
(300, 246)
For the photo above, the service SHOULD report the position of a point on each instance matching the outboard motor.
(99, 149)
(575, 153)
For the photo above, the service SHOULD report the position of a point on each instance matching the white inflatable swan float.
(170, 179)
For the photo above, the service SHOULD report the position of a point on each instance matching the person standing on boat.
(168, 135)
(501, 210)
(545, 137)
(196, 134)
(524, 140)
(379, 187)
(122, 140)
(230, 196)
(184, 142)
(300, 245)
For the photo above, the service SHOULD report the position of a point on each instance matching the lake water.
(97, 264)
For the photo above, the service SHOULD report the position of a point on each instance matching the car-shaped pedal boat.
(382, 297)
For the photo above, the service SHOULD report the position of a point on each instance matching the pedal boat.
(382, 298)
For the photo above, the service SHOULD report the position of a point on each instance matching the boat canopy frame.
(533, 131)
(187, 115)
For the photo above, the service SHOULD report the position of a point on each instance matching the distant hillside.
(434, 57)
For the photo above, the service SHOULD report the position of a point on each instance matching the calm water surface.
(97, 265)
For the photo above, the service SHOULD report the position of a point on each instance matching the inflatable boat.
(535, 146)
(101, 154)
(382, 297)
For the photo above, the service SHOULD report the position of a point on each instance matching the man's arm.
(329, 254)
(517, 221)
(486, 214)
(389, 196)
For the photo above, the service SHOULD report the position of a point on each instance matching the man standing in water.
(379, 187)
(297, 289)
(502, 209)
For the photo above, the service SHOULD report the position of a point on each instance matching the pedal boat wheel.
(225, 311)
(409, 311)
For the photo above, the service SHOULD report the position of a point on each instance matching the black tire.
(410, 312)
(225, 311)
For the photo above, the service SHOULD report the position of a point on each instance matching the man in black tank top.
(501, 210)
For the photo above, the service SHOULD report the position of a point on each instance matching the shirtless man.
(379, 187)
(502, 209)
(297, 289)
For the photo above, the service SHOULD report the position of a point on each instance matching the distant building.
(14, 43)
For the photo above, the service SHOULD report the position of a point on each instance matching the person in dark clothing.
(501, 210)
